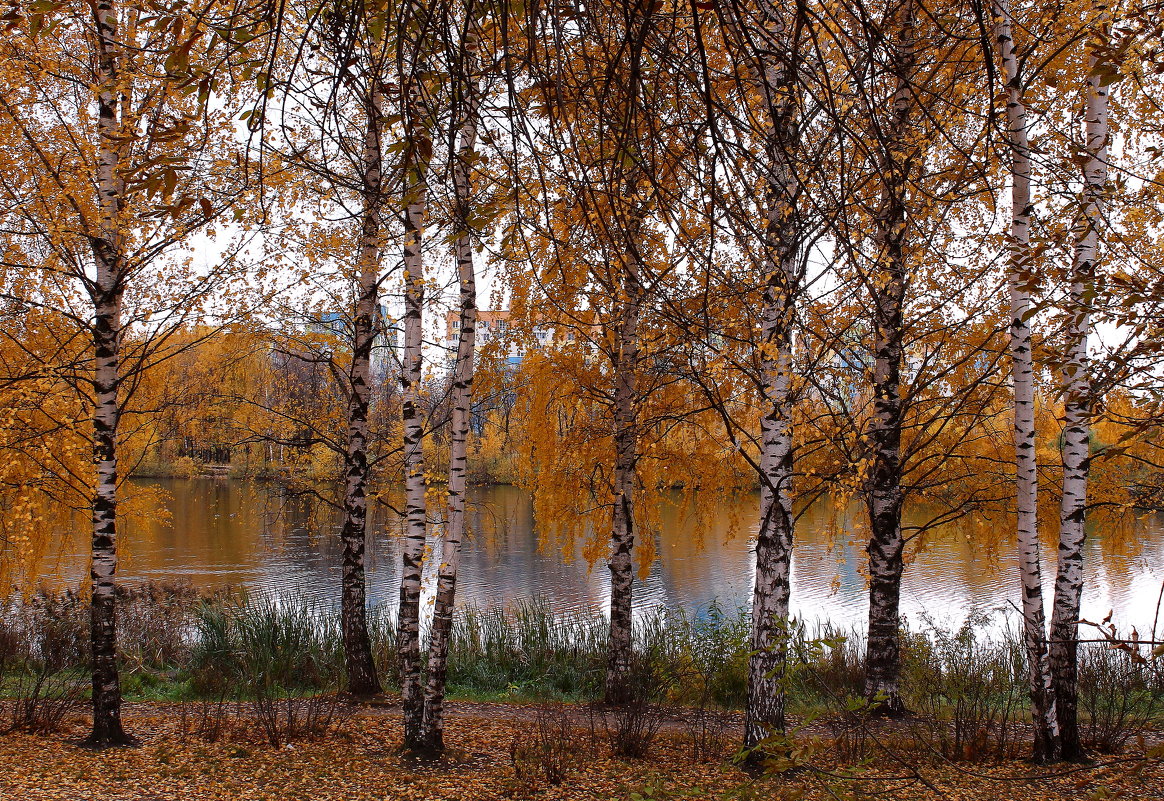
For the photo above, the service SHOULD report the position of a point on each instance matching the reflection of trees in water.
(258, 535)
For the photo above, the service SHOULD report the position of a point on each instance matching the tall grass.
(265, 646)
(967, 686)
(526, 649)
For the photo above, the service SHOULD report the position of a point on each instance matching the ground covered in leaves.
(491, 758)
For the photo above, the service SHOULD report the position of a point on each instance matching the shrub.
(708, 654)
(707, 734)
(43, 698)
(837, 672)
(968, 687)
(288, 718)
(551, 748)
(57, 629)
(209, 721)
(1120, 696)
(12, 635)
(638, 718)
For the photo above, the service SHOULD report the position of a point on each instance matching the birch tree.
(466, 104)
(887, 287)
(603, 184)
(134, 162)
(913, 313)
(1077, 398)
(1020, 277)
(338, 190)
(773, 47)
(361, 670)
(413, 76)
(106, 293)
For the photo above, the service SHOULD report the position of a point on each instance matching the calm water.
(235, 533)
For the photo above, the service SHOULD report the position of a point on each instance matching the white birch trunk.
(417, 153)
(630, 300)
(361, 669)
(622, 534)
(884, 492)
(764, 712)
(1023, 378)
(106, 293)
(461, 398)
(1076, 388)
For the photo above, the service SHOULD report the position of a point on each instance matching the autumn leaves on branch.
(792, 246)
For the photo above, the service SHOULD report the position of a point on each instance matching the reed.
(967, 685)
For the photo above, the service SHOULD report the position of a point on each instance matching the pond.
(251, 534)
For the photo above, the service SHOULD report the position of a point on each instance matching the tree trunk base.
(892, 707)
(99, 740)
(1039, 758)
(1044, 751)
(1076, 755)
(364, 691)
(754, 764)
(423, 752)
(376, 699)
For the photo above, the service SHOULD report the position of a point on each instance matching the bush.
(968, 687)
(43, 698)
(287, 718)
(551, 749)
(708, 655)
(57, 629)
(154, 627)
(707, 734)
(638, 718)
(12, 636)
(850, 731)
(46, 653)
(1120, 696)
(837, 673)
(210, 720)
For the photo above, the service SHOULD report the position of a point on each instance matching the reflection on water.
(235, 533)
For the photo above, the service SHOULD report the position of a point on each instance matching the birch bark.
(106, 293)
(361, 669)
(1023, 377)
(884, 492)
(1076, 388)
(630, 296)
(622, 534)
(461, 397)
(764, 712)
(416, 155)
(775, 73)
